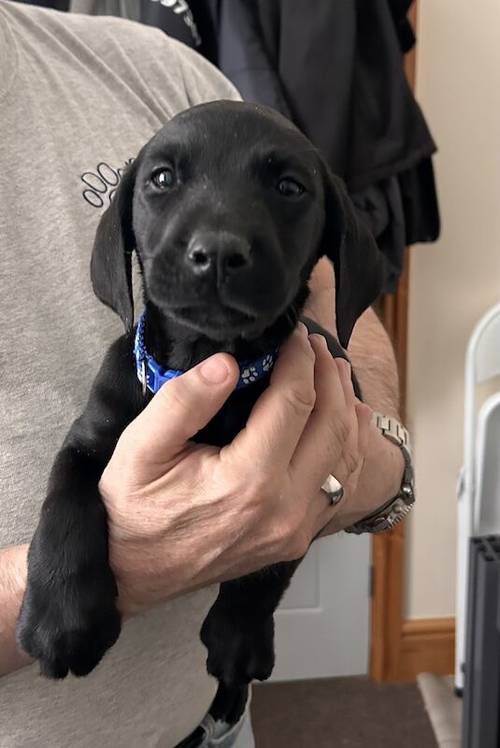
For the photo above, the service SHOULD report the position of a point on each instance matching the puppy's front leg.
(239, 629)
(69, 616)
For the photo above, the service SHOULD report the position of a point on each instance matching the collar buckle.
(143, 377)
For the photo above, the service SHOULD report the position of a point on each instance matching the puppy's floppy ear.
(360, 267)
(111, 263)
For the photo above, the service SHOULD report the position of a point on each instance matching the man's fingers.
(278, 418)
(326, 514)
(320, 305)
(182, 407)
(318, 447)
(344, 368)
(322, 512)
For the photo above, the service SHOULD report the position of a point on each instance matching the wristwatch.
(395, 510)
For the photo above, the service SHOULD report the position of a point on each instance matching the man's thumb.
(183, 406)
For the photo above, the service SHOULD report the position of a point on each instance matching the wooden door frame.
(388, 579)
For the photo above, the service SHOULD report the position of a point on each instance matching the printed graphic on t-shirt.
(166, 15)
(100, 185)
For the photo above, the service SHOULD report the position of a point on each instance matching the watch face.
(408, 494)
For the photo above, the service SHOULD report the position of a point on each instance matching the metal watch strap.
(397, 508)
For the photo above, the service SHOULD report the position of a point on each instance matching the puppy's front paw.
(67, 622)
(238, 653)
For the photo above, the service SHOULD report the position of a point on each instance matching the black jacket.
(335, 67)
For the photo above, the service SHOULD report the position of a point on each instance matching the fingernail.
(214, 370)
(303, 330)
(319, 339)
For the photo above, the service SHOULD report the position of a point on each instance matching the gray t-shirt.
(78, 97)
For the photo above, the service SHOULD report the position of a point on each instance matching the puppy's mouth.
(218, 319)
(217, 313)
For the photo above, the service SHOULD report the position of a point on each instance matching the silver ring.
(333, 489)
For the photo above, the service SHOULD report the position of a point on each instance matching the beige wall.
(454, 281)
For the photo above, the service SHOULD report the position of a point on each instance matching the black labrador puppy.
(228, 208)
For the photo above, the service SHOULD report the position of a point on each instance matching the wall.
(454, 281)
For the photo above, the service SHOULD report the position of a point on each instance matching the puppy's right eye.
(163, 178)
(289, 187)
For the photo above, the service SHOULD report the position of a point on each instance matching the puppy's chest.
(233, 415)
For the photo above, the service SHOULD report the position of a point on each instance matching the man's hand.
(183, 515)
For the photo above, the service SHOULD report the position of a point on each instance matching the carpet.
(353, 712)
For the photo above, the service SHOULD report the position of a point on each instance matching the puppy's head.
(229, 207)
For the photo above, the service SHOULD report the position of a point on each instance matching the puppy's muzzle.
(219, 254)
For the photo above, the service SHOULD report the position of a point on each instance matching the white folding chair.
(482, 363)
(486, 519)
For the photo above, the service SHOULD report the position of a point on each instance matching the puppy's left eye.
(290, 187)
(163, 178)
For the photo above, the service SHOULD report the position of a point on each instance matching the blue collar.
(151, 375)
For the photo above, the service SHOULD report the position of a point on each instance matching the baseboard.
(427, 646)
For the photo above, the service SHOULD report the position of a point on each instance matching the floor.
(340, 713)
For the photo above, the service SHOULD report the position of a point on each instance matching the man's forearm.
(12, 584)
(373, 360)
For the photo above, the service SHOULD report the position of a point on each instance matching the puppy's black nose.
(221, 252)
